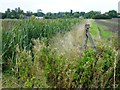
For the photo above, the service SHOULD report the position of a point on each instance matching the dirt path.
(71, 43)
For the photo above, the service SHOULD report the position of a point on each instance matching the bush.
(101, 17)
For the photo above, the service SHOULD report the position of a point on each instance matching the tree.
(29, 13)
(48, 15)
(40, 13)
(67, 15)
(1, 15)
(112, 14)
(76, 15)
(82, 13)
(102, 16)
(21, 16)
(13, 14)
(92, 14)
(8, 13)
(60, 15)
(17, 12)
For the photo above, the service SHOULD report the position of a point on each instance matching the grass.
(42, 66)
(94, 30)
(100, 30)
(22, 32)
(105, 33)
(52, 70)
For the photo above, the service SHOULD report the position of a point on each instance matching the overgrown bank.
(66, 70)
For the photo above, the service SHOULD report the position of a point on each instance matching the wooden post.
(86, 37)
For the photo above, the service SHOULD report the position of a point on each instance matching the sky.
(60, 5)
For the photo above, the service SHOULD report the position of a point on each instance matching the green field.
(47, 54)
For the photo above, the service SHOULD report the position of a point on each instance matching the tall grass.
(21, 32)
(32, 62)
(93, 70)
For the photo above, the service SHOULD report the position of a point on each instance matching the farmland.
(47, 53)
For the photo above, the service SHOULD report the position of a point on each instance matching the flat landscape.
(47, 53)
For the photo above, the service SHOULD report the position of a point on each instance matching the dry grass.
(71, 43)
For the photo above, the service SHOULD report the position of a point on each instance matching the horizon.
(58, 11)
(56, 6)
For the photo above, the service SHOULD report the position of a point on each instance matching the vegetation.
(29, 60)
(22, 32)
(18, 14)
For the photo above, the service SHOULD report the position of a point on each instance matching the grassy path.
(71, 42)
(111, 26)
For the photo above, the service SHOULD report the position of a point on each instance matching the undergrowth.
(30, 62)
(93, 70)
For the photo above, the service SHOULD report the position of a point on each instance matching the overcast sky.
(60, 5)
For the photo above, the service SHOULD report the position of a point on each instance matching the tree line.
(17, 13)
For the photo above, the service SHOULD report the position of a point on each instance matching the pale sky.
(60, 5)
